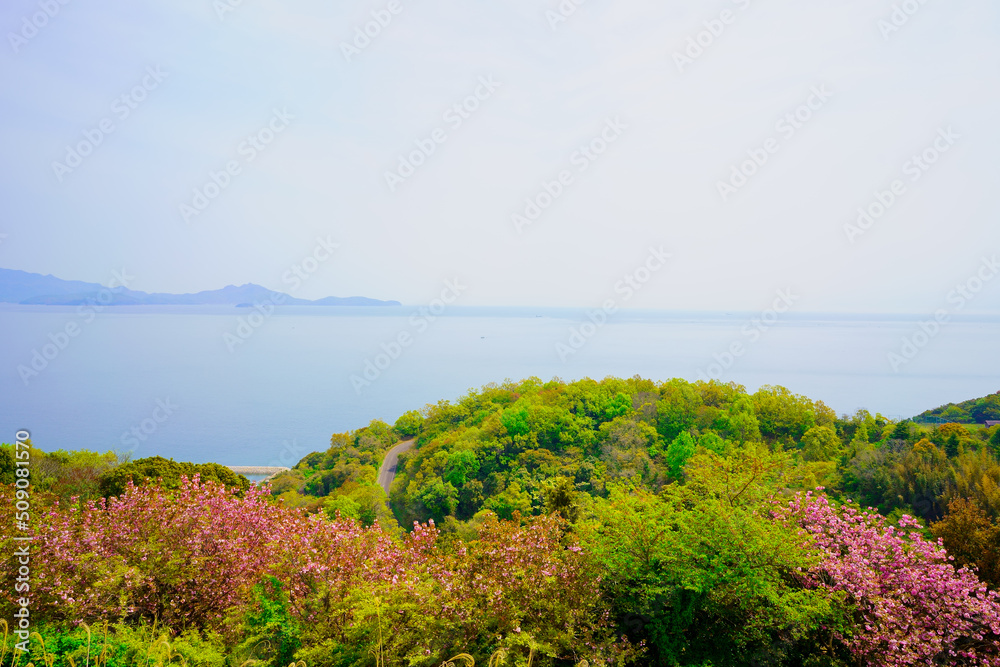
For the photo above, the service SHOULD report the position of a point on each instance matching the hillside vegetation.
(975, 411)
(616, 522)
(514, 448)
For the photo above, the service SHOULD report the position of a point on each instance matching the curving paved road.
(388, 470)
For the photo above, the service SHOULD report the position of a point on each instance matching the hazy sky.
(610, 76)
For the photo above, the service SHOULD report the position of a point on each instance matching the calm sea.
(177, 383)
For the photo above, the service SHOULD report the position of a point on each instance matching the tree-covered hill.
(530, 447)
(974, 411)
(506, 447)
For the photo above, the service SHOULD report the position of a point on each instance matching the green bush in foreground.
(116, 645)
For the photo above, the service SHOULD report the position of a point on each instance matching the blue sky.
(681, 131)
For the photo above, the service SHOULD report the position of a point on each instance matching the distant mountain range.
(35, 289)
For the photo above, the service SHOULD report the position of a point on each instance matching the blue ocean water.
(228, 385)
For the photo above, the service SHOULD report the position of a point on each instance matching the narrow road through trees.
(388, 470)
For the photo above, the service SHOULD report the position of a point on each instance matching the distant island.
(25, 288)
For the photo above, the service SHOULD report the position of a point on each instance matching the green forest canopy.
(514, 447)
(974, 411)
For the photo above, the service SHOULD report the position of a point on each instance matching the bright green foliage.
(378, 433)
(409, 424)
(712, 443)
(461, 467)
(64, 474)
(678, 408)
(167, 473)
(269, 625)
(340, 505)
(703, 581)
(440, 499)
(619, 405)
(864, 428)
(511, 500)
(121, 645)
(786, 416)
(743, 424)
(678, 453)
(515, 420)
(746, 476)
(820, 443)
(861, 438)
(599, 433)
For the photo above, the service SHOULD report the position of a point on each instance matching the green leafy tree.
(380, 431)
(619, 405)
(65, 474)
(365, 503)
(677, 410)
(986, 409)
(270, 625)
(409, 424)
(344, 506)
(820, 443)
(972, 538)
(440, 499)
(954, 413)
(515, 421)
(6, 464)
(628, 444)
(512, 499)
(702, 582)
(746, 476)
(712, 443)
(311, 460)
(860, 438)
(743, 425)
(470, 499)
(461, 467)
(783, 415)
(951, 445)
(978, 410)
(901, 431)
(678, 453)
